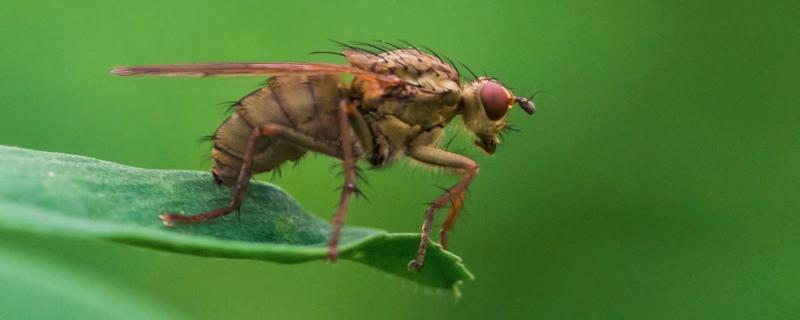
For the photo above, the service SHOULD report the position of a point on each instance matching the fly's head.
(485, 104)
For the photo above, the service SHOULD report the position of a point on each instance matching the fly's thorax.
(389, 136)
(408, 64)
(423, 110)
(427, 101)
(427, 80)
(429, 97)
(398, 118)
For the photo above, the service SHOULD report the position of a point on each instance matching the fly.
(396, 106)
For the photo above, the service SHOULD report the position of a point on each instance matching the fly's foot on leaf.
(414, 266)
(333, 254)
(168, 219)
(443, 241)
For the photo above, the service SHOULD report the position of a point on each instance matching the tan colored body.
(414, 117)
(308, 104)
(397, 104)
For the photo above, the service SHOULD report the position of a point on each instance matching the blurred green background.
(658, 181)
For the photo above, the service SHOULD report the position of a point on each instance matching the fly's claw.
(168, 219)
(332, 255)
(414, 266)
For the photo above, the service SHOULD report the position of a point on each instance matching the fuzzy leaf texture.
(77, 196)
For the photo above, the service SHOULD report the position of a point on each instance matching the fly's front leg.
(268, 130)
(346, 112)
(468, 169)
(447, 225)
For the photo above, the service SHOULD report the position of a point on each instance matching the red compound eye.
(495, 100)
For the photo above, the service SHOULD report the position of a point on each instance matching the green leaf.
(73, 195)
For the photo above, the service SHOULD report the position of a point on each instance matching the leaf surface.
(57, 193)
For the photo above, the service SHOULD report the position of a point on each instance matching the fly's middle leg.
(468, 169)
(268, 130)
(346, 112)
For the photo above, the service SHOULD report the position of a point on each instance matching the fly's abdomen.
(305, 103)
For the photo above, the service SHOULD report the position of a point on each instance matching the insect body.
(397, 105)
(302, 104)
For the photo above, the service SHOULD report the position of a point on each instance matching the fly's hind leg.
(467, 168)
(268, 130)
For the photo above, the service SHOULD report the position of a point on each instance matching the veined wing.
(251, 69)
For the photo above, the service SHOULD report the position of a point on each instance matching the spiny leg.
(349, 187)
(468, 169)
(268, 130)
